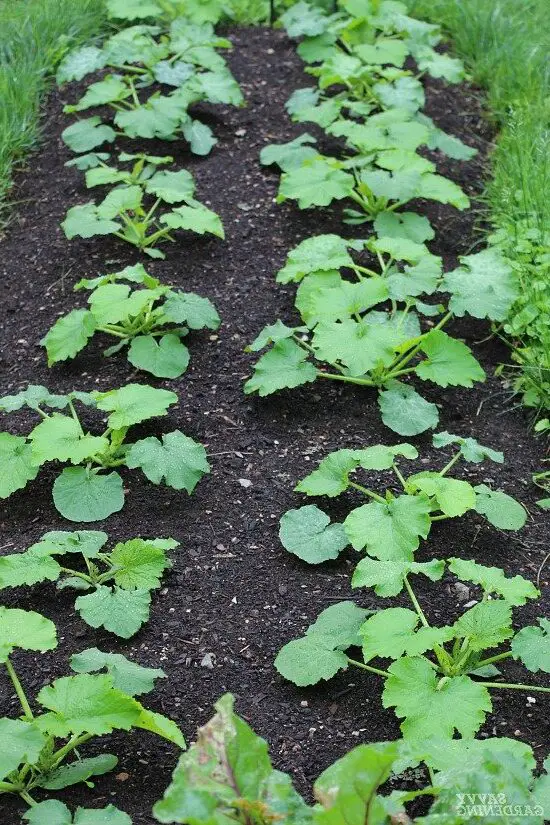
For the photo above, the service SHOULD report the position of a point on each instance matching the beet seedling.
(127, 211)
(145, 316)
(91, 489)
(368, 331)
(73, 711)
(120, 581)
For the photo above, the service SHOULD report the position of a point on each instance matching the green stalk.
(451, 464)
(363, 382)
(27, 798)
(77, 574)
(498, 658)
(75, 742)
(7, 787)
(399, 476)
(370, 669)
(19, 691)
(367, 492)
(520, 686)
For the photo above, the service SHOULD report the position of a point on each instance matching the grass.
(505, 45)
(34, 35)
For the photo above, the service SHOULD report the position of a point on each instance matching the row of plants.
(439, 679)
(378, 316)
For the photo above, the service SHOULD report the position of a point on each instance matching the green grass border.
(34, 36)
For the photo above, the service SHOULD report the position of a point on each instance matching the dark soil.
(233, 592)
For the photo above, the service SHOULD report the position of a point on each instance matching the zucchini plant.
(457, 777)
(130, 209)
(181, 56)
(91, 489)
(389, 525)
(139, 313)
(42, 741)
(119, 581)
(379, 329)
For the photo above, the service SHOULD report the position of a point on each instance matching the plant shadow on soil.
(233, 592)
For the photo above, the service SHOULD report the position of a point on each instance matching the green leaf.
(133, 9)
(484, 286)
(69, 335)
(161, 726)
(332, 475)
(172, 74)
(228, 769)
(178, 459)
(402, 249)
(359, 345)
(341, 302)
(110, 89)
(308, 533)
(117, 201)
(347, 789)
(453, 496)
(218, 87)
(35, 396)
(500, 509)
(289, 155)
(308, 660)
(382, 457)
(191, 309)
(166, 358)
(389, 531)
(85, 704)
(407, 225)
(406, 93)
(138, 564)
(60, 438)
(304, 19)
(316, 183)
(285, 365)
(485, 625)
(134, 403)
(383, 50)
(80, 771)
(88, 161)
(440, 65)
(393, 632)
(127, 676)
(514, 589)
(428, 703)
(21, 742)
(318, 254)
(195, 218)
(470, 449)
(171, 186)
(437, 188)
(388, 577)
(340, 623)
(80, 62)
(449, 362)
(85, 222)
(120, 611)
(25, 629)
(405, 411)
(83, 495)
(35, 565)
(87, 134)
(17, 467)
(199, 136)
(87, 542)
(532, 647)
(49, 812)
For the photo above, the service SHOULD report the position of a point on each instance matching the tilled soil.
(233, 596)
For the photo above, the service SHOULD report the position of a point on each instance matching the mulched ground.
(234, 597)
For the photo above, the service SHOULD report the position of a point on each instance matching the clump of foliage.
(390, 525)
(228, 773)
(39, 744)
(140, 313)
(120, 581)
(91, 488)
(368, 332)
(126, 211)
(178, 53)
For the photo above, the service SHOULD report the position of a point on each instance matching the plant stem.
(416, 603)
(399, 476)
(7, 787)
(492, 659)
(73, 743)
(451, 464)
(370, 669)
(28, 798)
(77, 574)
(509, 686)
(363, 382)
(367, 492)
(19, 690)
(439, 518)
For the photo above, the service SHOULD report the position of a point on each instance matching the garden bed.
(234, 597)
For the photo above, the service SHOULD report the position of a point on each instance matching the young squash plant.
(140, 313)
(119, 581)
(369, 332)
(389, 526)
(180, 55)
(50, 731)
(91, 489)
(214, 774)
(130, 210)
